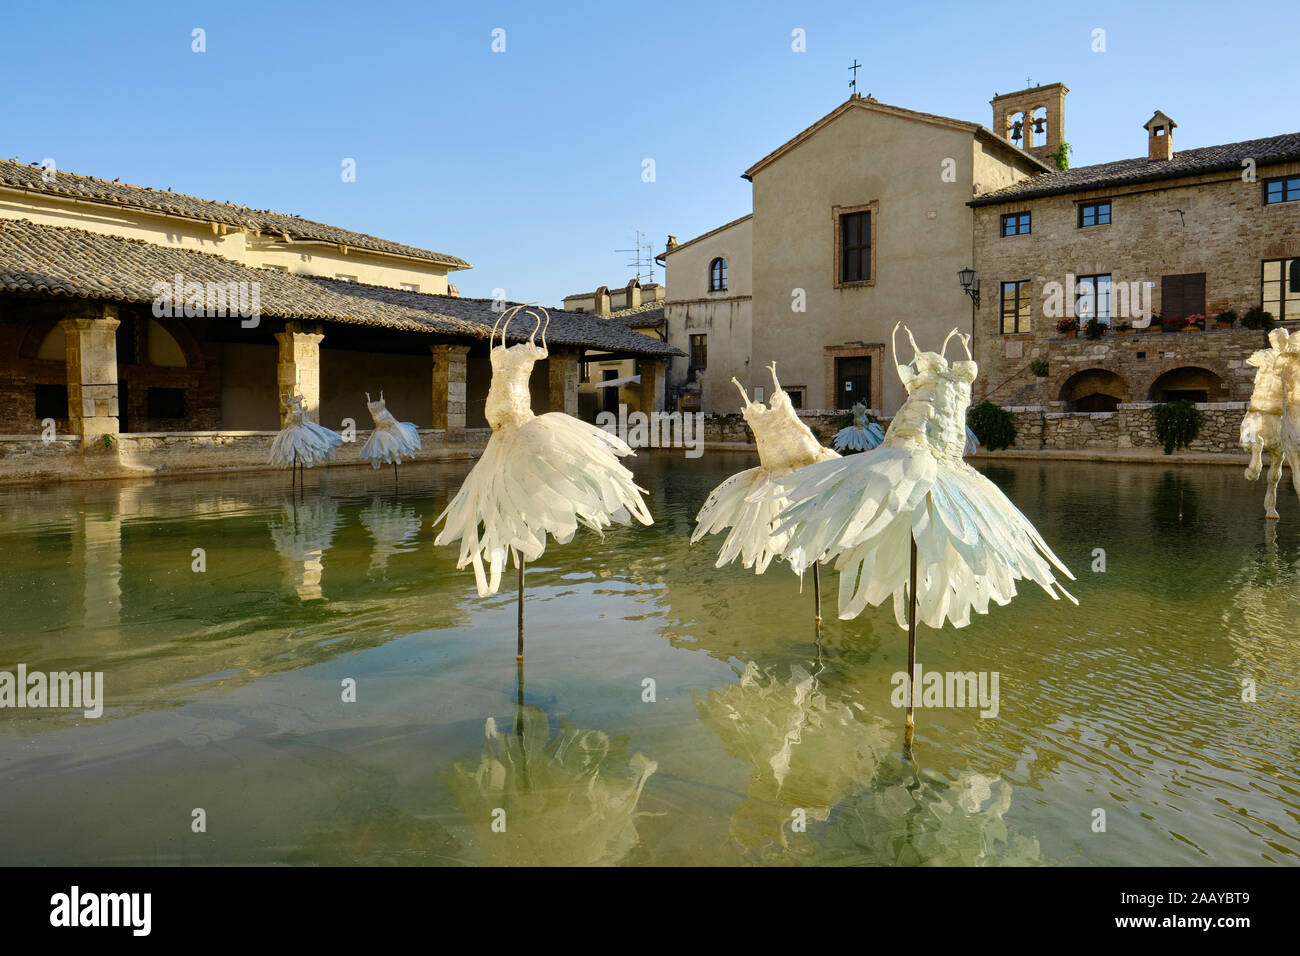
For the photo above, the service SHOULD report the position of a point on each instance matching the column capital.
(449, 348)
(105, 324)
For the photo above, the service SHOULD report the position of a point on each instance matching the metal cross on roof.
(853, 83)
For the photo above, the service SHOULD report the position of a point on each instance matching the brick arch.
(1095, 381)
(1223, 384)
(189, 345)
(30, 344)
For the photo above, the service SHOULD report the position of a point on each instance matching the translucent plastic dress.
(746, 502)
(972, 543)
(302, 441)
(539, 475)
(391, 441)
(862, 435)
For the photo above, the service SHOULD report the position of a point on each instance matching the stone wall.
(732, 430)
(28, 458)
(1132, 425)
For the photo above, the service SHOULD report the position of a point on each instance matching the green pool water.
(766, 741)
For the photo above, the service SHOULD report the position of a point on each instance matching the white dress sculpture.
(302, 441)
(744, 502)
(863, 435)
(539, 475)
(1262, 427)
(391, 441)
(869, 511)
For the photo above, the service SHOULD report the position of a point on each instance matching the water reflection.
(912, 817)
(302, 536)
(807, 750)
(394, 528)
(536, 799)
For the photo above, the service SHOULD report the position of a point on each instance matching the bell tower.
(1032, 118)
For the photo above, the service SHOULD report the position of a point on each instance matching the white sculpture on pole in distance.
(1270, 411)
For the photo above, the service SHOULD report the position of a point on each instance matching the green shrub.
(1039, 367)
(1095, 328)
(1177, 424)
(1228, 317)
(993, 425)
(1257, 318)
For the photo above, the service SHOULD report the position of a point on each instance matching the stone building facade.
(1173, 234)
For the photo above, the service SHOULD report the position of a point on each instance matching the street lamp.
(970, 285)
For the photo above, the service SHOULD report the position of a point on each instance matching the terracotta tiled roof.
(16, 175)
(49, 260)
(1189, 162)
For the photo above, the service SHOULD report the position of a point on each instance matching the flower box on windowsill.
(1155, 327)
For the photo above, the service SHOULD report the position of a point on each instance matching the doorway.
(609, 397)
(852, 381)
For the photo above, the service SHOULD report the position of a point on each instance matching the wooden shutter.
(1182, 295)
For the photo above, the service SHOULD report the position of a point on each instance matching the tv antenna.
(642, 257)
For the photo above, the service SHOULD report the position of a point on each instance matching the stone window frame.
(1021, 298)
(1289, 194)
(873, 209)
(875, 351)
(1027, 214)
(801, 391)
(1095, 205)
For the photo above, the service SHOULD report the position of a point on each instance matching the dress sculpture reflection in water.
(1262, 428)
(868, 511)
(539, 474)
(391, 441)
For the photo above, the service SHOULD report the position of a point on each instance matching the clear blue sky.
(528, 162)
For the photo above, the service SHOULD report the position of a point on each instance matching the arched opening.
(1190, 384)
(1094, 390)
(53, 346)
(1038, 137)
(718, 275)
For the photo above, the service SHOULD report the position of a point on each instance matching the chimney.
(633, 298)
(601, 307)
(1160, 136)
(672, 243)
(1033, 115)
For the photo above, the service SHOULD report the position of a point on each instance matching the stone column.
(449, 389)
(562, 377)
(653, 373)
(91, 349)
(299, 367)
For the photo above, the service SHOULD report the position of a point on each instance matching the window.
(165, 402)
(1094, 214)
(408, 287)
(699, 351)
(796, 394)
(1015, 224)
(1182, 295)
(855, 247)
(1092, 298)
(1016, 299)
(51, 401)
(1281, 292)
(1283, 189)
(718, 275)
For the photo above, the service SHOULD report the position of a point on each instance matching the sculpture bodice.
(382, 416)
(508, 398)
(934, 415)
(784, 441)
(297, 413)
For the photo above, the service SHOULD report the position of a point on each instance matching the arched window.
(718, 275)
